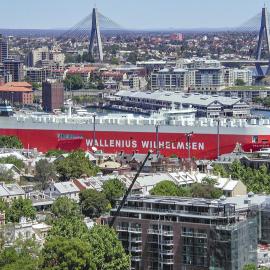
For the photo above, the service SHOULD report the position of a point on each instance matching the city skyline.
(130, 15)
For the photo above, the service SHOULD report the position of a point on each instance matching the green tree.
(24, 255)
(108, 252)
(74, 82)
(68, 227)
(256, 180)
(13, 160)
(36, 86)
(113, 189)
(10, 142)
(206, 191)
(67, 254)
(55, 153)
(220, 170)
(93, 203)
(45, 172)
(165, 188)
(240, 82)
(250, 267)
(114, 61)
(20, 208)
(65, 207)
(236, 170)
(75, 165)
(6, 176)
(209, 181)
(132, 58)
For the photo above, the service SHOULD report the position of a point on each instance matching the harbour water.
(264, 114)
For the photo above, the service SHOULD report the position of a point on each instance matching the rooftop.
(180, 97)
(16, 87)
(247, 88)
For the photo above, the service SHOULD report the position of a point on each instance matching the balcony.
(136, 240)
(167, 252)
(175, 211)
(160, 232)
(167, 242)
(167, 233)
(195, 235)
(136, 258)
(135, 230)
(152, 231)
(121, 229)
(136, 249)
(167, 261)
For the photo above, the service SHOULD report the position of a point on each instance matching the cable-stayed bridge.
(83, 28)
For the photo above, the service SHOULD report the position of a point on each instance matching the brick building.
(17, 93)
(52, 95)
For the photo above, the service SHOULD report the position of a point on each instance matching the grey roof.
(66, 187)
(153, 179)
(10, 190)
(241, 201)
(195, 99)
(8, 167)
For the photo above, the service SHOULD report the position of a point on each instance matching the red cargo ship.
(170, 132)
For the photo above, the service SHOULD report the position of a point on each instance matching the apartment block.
(187, 233)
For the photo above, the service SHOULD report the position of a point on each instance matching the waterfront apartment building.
(169, 233)
(171, 79)
(231, 76)
(208, 79)
(52, 95)
(196, 63)
(199, 75)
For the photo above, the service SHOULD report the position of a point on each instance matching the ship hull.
(202, 145)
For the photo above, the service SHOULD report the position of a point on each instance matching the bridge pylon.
(95, 35)
(264, 34)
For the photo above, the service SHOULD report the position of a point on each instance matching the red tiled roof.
(16, 87)
(80, 70)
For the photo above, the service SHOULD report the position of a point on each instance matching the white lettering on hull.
(132, 144)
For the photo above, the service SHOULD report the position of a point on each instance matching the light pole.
(188, 137)
(12, 98)
(94, 129)
(157, 139)
(218, 138)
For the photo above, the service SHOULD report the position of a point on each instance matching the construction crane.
(123, 201)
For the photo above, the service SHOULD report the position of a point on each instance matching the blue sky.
(139, 14)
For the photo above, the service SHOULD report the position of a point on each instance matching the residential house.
(16, 173)
(8, 192)
(61, 189)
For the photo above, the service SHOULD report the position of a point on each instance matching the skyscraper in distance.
(3, 49)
